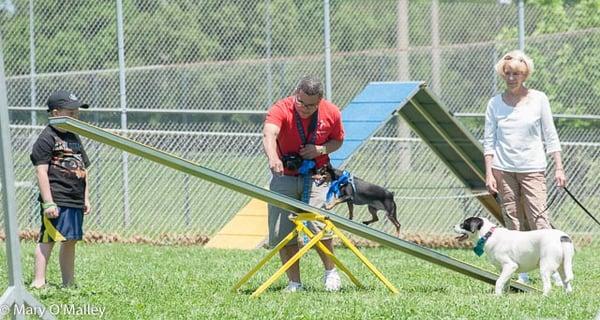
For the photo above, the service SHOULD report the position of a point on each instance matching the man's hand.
(311, 151)
(270, 133)
(276, 166)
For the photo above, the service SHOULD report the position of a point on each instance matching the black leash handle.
(581, 205)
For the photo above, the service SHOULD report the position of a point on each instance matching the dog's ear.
(472, 224)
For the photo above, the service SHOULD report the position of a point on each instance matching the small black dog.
(360, 193)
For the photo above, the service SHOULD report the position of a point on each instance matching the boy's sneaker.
(293, 287)
(523, 278)
(332, 280)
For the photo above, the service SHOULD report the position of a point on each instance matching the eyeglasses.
(307, 106)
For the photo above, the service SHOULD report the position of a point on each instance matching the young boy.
(60, 164)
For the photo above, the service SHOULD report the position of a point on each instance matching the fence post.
(521, 25)
(402, 40)
(269, 31)
(327, 27)
(32, 64)
(402, 46)
(15, 276)
(436, 61)
(123, 101)
(15, 295)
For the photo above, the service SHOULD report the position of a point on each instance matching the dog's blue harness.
(337, 185)
(481, 242)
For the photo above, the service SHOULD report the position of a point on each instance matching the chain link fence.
(200, 75)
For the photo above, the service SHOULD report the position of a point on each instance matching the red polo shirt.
(329, 127)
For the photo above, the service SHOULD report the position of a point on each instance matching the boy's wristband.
(48, 205)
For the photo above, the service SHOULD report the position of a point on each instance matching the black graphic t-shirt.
(67, 163)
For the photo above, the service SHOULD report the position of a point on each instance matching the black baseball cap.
(63, 99)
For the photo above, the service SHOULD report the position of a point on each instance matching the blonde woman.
(519, 132)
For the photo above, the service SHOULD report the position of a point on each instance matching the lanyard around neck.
(311, 127)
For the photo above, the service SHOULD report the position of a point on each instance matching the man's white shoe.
(332, 280)
(293, 287)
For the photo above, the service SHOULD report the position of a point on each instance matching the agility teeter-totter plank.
(279, 200)
(362, 118)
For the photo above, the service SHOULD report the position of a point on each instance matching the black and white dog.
(360, 192)
(521, 251)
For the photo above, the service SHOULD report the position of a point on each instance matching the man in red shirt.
(301, 127)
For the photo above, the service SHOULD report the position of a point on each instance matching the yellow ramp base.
(247, 230)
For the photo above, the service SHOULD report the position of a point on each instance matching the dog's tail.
(568, 253)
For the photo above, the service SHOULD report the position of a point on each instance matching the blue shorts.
(67, 226)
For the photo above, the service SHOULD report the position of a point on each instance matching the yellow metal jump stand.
(314, 240)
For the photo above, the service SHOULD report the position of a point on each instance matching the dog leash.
(581, 205)
(551, 201)
(466, 196)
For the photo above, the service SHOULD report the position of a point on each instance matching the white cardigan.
(515, 136)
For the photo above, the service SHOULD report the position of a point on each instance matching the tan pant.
(279, 223)
(523, 199)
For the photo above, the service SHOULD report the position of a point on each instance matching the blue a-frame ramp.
(454, 145)
(369, 112)
(277, 199)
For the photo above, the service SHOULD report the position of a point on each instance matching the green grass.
(150, 282)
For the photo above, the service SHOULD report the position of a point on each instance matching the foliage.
(212, 54)
(564, 68)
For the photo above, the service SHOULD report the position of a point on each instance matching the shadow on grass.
(427, 289)
(309, 289)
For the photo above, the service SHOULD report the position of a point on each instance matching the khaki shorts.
(279, 223)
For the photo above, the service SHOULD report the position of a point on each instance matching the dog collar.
(481, 242)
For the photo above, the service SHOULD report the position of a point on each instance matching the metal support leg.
(288, 264)
(315, 240)
(365, 261)
(266, 259)
(335, 260)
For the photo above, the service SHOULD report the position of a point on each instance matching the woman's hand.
(490, 184)
(560, 178)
